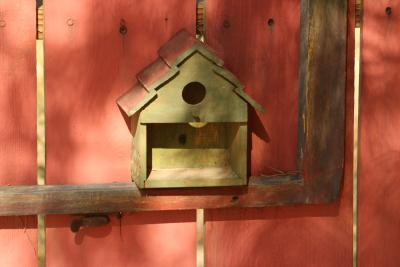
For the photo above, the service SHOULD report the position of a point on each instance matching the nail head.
(227, 24)
(123, 29)
(271, 22)
(70, 22)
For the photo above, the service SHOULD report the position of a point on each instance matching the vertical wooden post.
(40, 124)
(357, 67)
(201, 234)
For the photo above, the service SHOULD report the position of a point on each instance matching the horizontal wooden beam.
(125, 197)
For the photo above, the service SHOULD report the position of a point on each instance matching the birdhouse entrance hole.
(194, 93)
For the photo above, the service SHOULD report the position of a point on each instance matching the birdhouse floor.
(186, 177)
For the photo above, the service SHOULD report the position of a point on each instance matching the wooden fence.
(89, 61)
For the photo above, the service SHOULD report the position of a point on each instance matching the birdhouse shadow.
(126, 119)
(257, 127)
(96, 232)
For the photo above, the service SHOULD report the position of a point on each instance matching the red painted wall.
(89, 63)
(266, 61)
(18, 124)
(380, 142)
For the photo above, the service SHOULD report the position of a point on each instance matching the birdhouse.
(188, 116)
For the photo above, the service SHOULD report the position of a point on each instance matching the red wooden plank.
(284, 236)
(89, 64)
(18, 129)
(17, 93)
(266, 60)
(18, 241)
(379, 219)
(138, 239)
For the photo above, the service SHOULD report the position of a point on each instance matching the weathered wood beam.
(125, 197)
(322, 96)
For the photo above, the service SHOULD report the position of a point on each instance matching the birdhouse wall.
(220, 104)
(180, 155)
(139, 156)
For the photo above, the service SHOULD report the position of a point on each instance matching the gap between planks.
(41, 132)
(201, 238)
(356, 133)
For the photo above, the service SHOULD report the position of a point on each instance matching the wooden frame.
(320, 155)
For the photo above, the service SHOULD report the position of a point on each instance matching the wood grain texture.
(115, 197)
(321, 240)
(201, 238)
(266, 61)
(379, 199)
(320, 101)
(318, 235)
(323, 162)
(145, 239)
(18, 240)
(18, 129)
(17, 93)
(89, 64)
(41, 138)
(322, 90)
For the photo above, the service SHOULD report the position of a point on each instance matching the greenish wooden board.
(220, 103)
(170, 158)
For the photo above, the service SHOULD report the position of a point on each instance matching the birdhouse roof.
(152, 78)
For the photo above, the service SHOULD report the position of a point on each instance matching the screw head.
(271, 22)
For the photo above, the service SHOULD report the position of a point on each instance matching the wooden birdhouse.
(188, 117)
